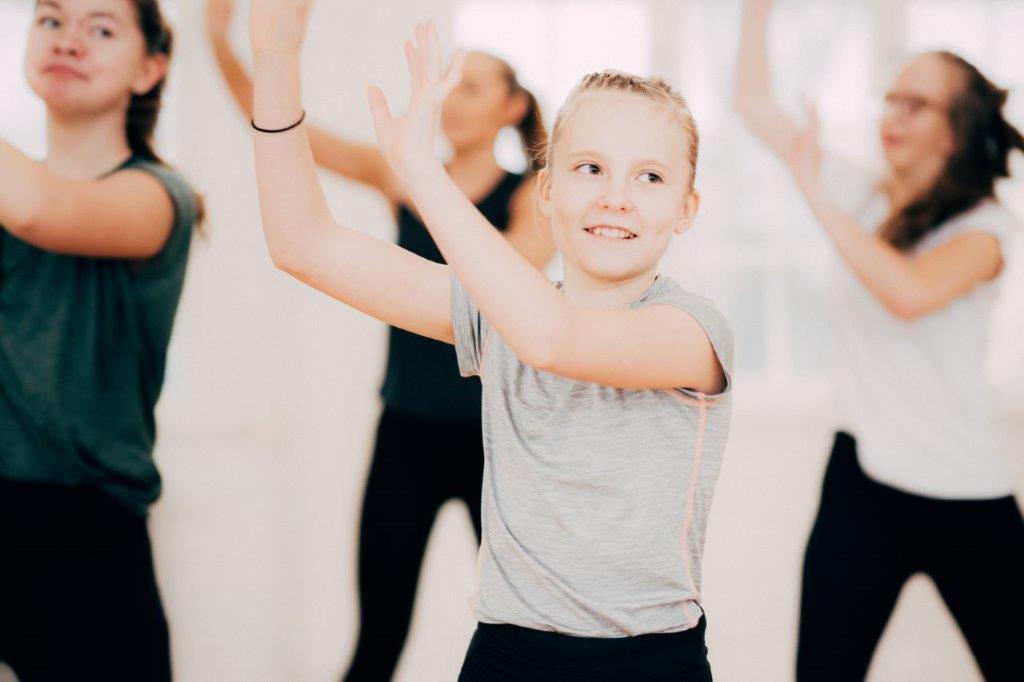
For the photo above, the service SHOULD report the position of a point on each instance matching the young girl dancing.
(93, 246)
(605, 397)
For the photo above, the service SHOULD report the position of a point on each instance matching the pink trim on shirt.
(698, 451)
(483, 352)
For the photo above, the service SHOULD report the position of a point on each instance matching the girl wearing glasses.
(916, 481)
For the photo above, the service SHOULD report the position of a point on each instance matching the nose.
(67, 44)
(614, 198)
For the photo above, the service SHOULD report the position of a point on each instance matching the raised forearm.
(522, 306)
(235, 75)
(887, 273)
(292, 202)
(753, 73)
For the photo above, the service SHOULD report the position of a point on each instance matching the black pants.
(500, 653)
(78, 596)
(870, 538)
(418, 465)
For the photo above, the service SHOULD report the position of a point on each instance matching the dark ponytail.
(532, 131)
(533, 135)
(984, 140)
(144, 109)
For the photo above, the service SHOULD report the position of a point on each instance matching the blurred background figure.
(428, 446)
(94, 241)
(917, 480)
(268, 421)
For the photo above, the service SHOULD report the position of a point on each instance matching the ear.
(688, 212)
(544, 192)
(154, 68)
(516, 108)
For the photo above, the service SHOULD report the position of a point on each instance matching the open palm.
(408, 139)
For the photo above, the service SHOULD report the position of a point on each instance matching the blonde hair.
(655, 88)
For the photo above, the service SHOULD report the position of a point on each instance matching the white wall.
(271, 400)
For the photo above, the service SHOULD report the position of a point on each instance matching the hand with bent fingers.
(407, 141)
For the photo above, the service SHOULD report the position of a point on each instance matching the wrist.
(420, 176)
(276, 55)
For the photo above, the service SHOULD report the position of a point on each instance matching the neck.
(586, 291)
(86, 147)
(477, 158)
(909, 184)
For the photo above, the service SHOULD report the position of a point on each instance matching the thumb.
(380, 111)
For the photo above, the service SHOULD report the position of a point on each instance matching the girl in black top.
(428, 447)
(93, 246)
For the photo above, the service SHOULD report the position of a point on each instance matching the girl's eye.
(588, 169)
(102, 32)
(652, 178)
(48, 22)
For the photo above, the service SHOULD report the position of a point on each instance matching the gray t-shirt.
(595, 499)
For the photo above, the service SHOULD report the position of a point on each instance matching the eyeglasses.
(906, 104)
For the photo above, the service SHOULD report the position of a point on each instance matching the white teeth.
(613, 232)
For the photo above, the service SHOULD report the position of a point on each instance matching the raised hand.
(409, 139)
(278, 25)
(805, 156)
(218, 18)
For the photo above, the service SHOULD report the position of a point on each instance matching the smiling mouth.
(609, 232)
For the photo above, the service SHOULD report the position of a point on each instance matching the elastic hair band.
(279, 130)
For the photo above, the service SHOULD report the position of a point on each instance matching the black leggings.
(418, 465)
(869, 538)
(78, 596)
(508, 653)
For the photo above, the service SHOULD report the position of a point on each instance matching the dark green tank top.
(422, 376)
(82, 348)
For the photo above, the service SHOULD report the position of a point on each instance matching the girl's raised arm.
(753, 97)
(373, 276)
(360, 162)
(124, 215)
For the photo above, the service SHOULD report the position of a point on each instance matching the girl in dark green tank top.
(93, 247)
(428, 445)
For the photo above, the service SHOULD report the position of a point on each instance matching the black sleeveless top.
(422, 377)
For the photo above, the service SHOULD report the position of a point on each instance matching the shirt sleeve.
(714, 324)
(989, 217)
(469, 330)
(186, 213)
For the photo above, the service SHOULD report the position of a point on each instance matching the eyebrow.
(92, 15)
(641, 162)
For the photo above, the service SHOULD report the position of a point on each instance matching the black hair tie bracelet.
(279, 130)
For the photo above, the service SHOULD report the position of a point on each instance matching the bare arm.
(539, 325)
(753, 97)
(373, 276)
(910, 286)
(359, 162)
(125, 215)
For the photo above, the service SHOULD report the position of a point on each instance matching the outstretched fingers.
(381, 112)
(454, 75)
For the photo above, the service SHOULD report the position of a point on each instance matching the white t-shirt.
(914, 393)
